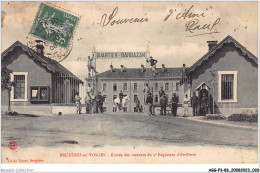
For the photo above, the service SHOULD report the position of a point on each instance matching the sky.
(169, 41)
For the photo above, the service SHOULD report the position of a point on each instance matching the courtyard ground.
(98, 131)
(121, 129)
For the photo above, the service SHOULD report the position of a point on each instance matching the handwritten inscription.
(187, 14)
(194, 27)
(194, 23)
(106, 20)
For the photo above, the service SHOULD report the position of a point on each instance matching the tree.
(213, 82)
(7, 84)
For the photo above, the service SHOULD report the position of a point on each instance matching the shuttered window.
(166, 86)
(156, 87)
(125, 86)
(114, 86)
(104, 86)
(135, 86)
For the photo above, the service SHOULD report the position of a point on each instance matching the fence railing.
(65, 87)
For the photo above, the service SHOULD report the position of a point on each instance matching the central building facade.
(131, 81)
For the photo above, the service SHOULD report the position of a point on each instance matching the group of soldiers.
(199, 106)
(94, 103)
(163, 102)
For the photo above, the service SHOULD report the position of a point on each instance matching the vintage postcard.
(129, 82)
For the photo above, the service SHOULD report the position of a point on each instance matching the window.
(105, 98)
(135, 86)
(104, 86)
(19, 91)
(166, 86)
(135, 98)
(40, 93)
(114, 109)
(177, 86)
(156, 87)
(144, 99)
(156, 100)
(125, 86)
(104, 109)
(227, 91)
(114, 96)
(124, 109)
(114, 86)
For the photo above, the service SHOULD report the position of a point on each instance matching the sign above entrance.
(100, 55)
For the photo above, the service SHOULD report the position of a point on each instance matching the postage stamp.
(54, 25)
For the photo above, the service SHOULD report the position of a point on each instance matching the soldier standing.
(204, 104)
(149, 101)
(185, 105)
(121, 95)
(153, 64)
(89, 89)
(147, 89)
(194, 104)
(78, 103)
(99, 102)
(137, 103)
(88, 103)
(174, 101)
(163, 103)
(90, 65)
(161, 92)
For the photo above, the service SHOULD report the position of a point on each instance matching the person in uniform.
(163, 104)
(153, 64)
(94, 104)
(89, 89)
(174, 104)
(78, 103)
(149, 101)
(137, 103)
(100, 100)
(204, 104)
(147, 89)
(194, 104)
(90, 64)
(88, 102)
(121, 96)
(185, 105)
(161, 92)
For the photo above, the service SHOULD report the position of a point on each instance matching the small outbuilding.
(228, 74)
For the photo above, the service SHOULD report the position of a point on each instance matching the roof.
(48, 63)
(226, 40)
(131, 73)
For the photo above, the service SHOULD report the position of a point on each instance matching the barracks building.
(132, 82)
(227, 73)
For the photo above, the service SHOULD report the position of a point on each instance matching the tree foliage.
(6, 82)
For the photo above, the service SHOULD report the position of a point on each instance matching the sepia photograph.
(129, 82)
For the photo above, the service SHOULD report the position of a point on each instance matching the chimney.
(111, 68)
(143, 68)
(212, 44)
(163, 68)
(122, 68)
(184, 70)
(39, 47)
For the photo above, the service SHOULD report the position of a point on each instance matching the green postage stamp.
(54, 25)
